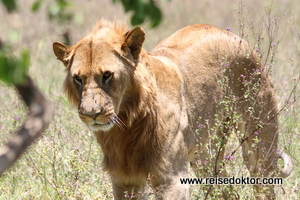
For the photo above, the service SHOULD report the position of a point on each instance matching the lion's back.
(203, 53)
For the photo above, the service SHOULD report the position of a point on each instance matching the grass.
(65, 163)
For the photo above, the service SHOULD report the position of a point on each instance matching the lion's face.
(99, 71)
(100, 85)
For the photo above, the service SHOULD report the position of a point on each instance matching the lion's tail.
(288, 166)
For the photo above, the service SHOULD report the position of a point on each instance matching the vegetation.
(65, 163)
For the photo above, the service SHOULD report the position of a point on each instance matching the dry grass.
(65, 162)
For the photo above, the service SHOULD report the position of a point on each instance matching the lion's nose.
(89, 106)
(92, 116)
(89, 113)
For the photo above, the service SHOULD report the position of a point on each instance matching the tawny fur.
(144, 107)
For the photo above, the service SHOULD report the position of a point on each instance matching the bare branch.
(38, 119)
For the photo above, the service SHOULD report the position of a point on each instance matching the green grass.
(65, 163)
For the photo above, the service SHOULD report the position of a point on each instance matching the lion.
(154, 113)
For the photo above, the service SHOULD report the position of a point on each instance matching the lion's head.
(100, 71)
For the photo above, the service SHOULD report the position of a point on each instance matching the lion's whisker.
(119, 120)
(121, 124)
(115, 119)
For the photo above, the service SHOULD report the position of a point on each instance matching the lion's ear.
(134, 40)
(60, 50)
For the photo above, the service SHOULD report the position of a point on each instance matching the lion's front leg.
(129, 191)
(169, 185)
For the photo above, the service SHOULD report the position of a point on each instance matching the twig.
(38, 119)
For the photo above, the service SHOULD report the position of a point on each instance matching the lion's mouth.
(106, 125)
(101, 127)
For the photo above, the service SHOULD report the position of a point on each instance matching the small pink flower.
(228, 29)
(256, 133)
(229, 157)
(16, 118)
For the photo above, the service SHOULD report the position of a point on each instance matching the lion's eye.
(77, 80)
(107, 76)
